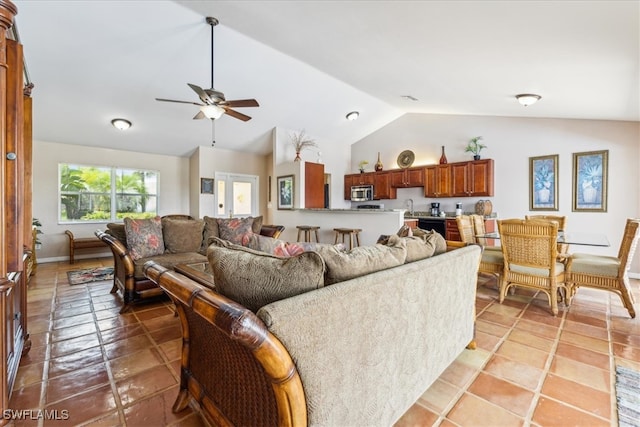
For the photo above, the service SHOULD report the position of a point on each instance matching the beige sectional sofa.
(356, 352)
(169, 241)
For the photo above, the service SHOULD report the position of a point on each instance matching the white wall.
(511, 141)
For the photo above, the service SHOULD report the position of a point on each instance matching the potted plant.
(361, 165)
(475, 146)
(36, 224)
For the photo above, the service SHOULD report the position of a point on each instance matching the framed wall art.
(285, 192)
(590, 171)
(206, 185)
(543, 183)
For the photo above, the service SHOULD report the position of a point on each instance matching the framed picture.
(206, 185)
(543, 183)
(590, 170)
(285, 192)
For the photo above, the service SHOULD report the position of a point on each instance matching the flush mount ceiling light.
(121, 124)
(527, 99)
(353, 115)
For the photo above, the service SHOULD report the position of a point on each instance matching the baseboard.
(634, 275)
(77, 258)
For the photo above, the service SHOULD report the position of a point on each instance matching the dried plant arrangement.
(300, 141)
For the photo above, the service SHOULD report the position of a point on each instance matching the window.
(237, 195)
(102, 194)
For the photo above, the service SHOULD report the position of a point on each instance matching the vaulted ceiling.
(309, 63)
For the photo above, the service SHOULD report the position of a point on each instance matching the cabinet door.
(398, 178)
(480, 178)
(451, 230)
(437, 181)
(313, 185)
(348, 182)
(382, 186)
(364, 178)
(459, 179)
(415, 177)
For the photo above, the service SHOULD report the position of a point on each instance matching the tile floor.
(530, 368)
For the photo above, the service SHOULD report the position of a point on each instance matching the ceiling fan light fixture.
(527, 99)
(212, 112)
(353, 116)
(121, 124)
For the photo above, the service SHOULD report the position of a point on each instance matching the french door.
(236, 195)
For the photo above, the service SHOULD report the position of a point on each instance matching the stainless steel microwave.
(361, 193)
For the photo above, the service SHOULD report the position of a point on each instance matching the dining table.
(568, 237)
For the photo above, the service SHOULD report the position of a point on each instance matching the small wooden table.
(199, 271)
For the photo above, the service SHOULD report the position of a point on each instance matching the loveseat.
(356, 352)
(169, 241)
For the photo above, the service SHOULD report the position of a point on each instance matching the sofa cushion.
(362, 260)
(182, 235)
(117, 231)
(144, 237)
(236, 230)
(254, 278)
(210, 230)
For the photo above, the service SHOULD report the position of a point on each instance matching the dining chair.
(606, 272)
(492, 262)
(531, 258)
(563, 248)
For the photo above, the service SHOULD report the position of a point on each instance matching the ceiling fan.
(214, 104)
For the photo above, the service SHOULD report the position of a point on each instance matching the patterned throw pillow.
(144, 237)
(255, 279)
(236, 230)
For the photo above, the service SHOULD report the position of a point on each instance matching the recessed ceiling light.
(121, 124)
(353, 115)
(527, 99)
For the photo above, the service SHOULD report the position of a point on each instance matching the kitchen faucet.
(410, 204)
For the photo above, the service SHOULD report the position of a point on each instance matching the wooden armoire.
(16, 206)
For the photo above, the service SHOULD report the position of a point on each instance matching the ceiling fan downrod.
(213, 22)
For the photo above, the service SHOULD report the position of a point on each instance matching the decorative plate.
(406, 158)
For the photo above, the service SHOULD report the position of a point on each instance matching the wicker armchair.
(531, 258)
(606, 272)
(492, 261)
(563, 248)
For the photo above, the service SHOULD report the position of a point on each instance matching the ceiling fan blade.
(181, 102)
(235, 114)
(236, 103)
(204, 96)
(199, 116)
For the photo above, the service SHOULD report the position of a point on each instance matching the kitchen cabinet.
(411, 223)
(437, 181)
(313, 185)
(366, 178)
(451, 230)
(382, 186)
(405, 178)
(471, 179)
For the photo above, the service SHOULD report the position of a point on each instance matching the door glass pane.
(241, 198)
(220, 209)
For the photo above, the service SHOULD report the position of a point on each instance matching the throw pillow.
(439, 243)
(144, 237)
(419, 248)
(257, 224)
(362, 260)
(255, 279)
(182, 235)
(117, 231)
(210, 230)
(236, 230)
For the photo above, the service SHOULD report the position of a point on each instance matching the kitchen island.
(373, 222)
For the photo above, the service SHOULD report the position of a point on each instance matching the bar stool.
(307, 229)
(351, 232)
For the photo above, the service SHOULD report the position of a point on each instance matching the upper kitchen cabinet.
(382, 186)
(470, 179)
(405, 178)
(366, 178)
(437, 181)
